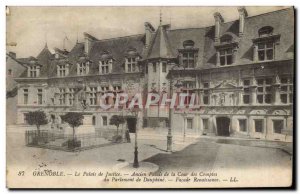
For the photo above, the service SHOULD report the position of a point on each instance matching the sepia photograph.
(155, 97)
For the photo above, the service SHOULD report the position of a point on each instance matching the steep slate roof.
(165, 44)
(160, 46)
(118, 48)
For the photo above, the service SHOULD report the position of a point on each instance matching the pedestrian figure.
(127, 136)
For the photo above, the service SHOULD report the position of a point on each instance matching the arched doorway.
(223, 125)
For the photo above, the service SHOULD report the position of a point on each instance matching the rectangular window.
(25, 118)
(265, 51)
(189, 123)
(264, 91)
(278, 126)
(164, 67)
(104, 120)
(189, 59)
(83, 68)
(33, 71)
(286, 90)
(258, 125)
(132, 65)
(243, 125)
(104, 88)
(104, 66)
(226, 56)
(25, 93)
(40, 96)
(246, 91)
(117, 88)
(71, 96)
(62, 96)
(61, 70)
(154, 67)
(206, 97)
(205, 123)
(93, 95)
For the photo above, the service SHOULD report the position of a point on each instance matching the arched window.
(226, 38)
(265, 31)
(188, 44)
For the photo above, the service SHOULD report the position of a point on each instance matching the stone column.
(255, 54)
(218, 58)
(253, 91)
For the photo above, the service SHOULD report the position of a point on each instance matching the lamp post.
(169, 136)
(184, 125)
(135, 112)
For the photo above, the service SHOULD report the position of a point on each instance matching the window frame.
(225, 56)
(61, 70)
(39, 96)
(265, 50)
(93, 96)
(289, 92)
(273, 125)
(132, 64)
(262, 125)
(25, 96)
(189, 61)
(264, 93)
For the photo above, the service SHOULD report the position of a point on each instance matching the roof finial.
(77, 35)
(46, 46)
(160, 17)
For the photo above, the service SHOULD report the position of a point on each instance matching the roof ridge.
(120, 37)
(208, 26)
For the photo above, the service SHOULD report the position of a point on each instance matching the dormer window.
(83, 68)
(189, 59)
(264, 45)
(104, 66)
(189, 54)
(131, 60)
(226, 50)
(33, 71)
(226, 56)
(265, 31)
(62, 70)
(132, 65)
(105, 62)
(265, 51)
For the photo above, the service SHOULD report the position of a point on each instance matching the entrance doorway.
(223, 124)
(131, 124)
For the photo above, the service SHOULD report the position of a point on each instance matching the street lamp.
(184, 125)
(135, 112)
(169, 136)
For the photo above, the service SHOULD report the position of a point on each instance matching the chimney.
(243, 14)
(88, 39)
(218, 20)
(12, 55)
(149, 29)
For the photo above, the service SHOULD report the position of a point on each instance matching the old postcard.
(149, 97)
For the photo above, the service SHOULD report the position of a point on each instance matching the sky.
(32, 27)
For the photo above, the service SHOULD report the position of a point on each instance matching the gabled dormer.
(83, 65)
(188, 56)
(33, 68)
(105, 62)
(226, 49)
(63, 68)
(265, 44)
(131, 60)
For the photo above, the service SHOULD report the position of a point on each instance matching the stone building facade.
(241, 71)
